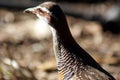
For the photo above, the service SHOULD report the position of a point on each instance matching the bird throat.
(55, 42)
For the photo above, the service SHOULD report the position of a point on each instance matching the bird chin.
(43, 18)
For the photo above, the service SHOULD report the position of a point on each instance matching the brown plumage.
(74, 63)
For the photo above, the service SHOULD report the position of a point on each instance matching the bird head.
(49, 12)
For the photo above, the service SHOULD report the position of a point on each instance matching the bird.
(73, 62)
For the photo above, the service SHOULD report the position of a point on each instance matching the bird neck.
(62, 39)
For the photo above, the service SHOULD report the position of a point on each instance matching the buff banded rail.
(73, 62)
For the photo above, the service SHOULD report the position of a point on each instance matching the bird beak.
(29, 10)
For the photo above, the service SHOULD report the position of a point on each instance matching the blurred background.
(26, 43)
